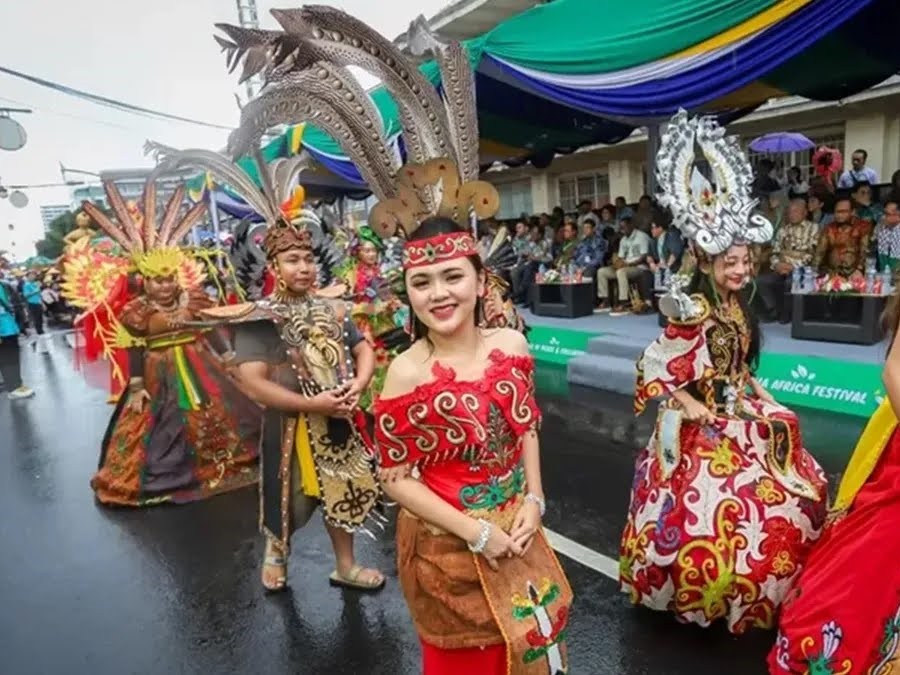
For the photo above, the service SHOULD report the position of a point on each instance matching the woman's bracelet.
(542, 505)
(483, 536)
(135, 384)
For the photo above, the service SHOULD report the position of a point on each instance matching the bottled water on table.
(658, 278)
(870, 280)
(667, 277)
(887, 281)
(809, 281)
(796, 279)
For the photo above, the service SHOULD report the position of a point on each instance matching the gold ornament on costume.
(82, 231)
(432, 189)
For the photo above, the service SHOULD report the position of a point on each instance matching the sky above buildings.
(156, 54)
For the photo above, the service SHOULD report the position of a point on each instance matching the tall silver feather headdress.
(305, 70)
(715, 215)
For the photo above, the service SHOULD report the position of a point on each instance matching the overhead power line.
(108, 102)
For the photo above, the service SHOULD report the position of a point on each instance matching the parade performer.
(726, 502)
(298, 353)
(485, 590)
(843, 617)
(457, 424)
(377, 311)
(183, 431)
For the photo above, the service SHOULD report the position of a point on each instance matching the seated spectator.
(887, 236)
(608, 219)
(623, 210)
(794, 246)
(765, 182)
(817, 215)
(858, 171)
(667, 249)
(538, 253)
(564, 251)
(585, 214)
(844, 244)
(863, 208)
(558, 216)
(796, 186)
(645, 214)
(591, 251)
(894, 194)
(520, 240)
(628, 265)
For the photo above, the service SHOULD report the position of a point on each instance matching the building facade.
(50, 212)
(870, 121)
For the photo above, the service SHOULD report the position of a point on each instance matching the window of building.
(833, 138)
(515, 199)
(575, 189)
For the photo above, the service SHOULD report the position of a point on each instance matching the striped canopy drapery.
(571, 73)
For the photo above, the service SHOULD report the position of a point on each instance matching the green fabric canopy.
(607, 35)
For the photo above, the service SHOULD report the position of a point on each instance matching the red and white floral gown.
(722, 516)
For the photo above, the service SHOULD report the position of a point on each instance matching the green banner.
(852, 388)
(557, 345)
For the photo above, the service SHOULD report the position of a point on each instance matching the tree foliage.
(52, 245)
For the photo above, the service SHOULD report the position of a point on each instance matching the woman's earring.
(411, 326)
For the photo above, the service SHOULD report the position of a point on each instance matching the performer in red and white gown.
(726, 502)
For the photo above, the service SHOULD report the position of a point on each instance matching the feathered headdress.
(715, 215)
(153, 247)
(305, 70)
(279, 202)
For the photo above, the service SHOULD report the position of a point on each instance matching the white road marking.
(607, 566)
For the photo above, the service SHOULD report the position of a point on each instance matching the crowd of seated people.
(832, 227)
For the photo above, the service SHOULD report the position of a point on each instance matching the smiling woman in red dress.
(456, 428)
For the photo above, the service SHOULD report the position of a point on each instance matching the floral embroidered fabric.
(722, 516)
(464, 436)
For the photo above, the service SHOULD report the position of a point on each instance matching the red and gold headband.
(438, 249)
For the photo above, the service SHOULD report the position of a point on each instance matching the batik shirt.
(842, 249)
(591, 251)
(888, 240)
(795, 244)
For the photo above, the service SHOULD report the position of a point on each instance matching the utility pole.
(249, 18)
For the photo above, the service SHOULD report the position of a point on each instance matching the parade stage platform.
(600, 351)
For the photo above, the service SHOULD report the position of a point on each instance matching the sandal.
(353, 582)
(274, 559)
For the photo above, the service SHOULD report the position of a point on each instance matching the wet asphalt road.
(85, 589)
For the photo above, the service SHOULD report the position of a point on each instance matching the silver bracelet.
(542, 505)
(483, 536)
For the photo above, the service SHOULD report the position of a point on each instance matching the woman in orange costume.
(844, 615)
(456, 429)
(182, 431)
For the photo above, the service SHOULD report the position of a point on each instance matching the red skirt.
(844, 616)
(481, 660)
